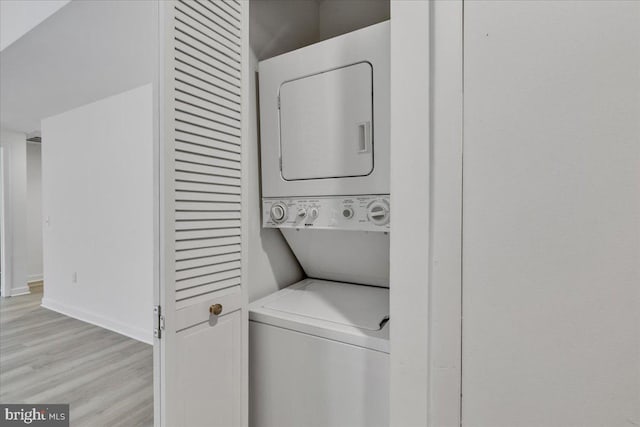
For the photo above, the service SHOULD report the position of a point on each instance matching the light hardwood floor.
(46, 357)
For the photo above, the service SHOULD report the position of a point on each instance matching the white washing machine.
(320, 356)
(319, 349)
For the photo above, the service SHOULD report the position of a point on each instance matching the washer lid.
(365, 307)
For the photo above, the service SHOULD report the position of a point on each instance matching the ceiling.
(84, 52)
(17, 17)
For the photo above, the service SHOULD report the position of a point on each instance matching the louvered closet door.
(201, 351)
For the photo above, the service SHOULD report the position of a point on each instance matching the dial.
(313, 214)
(347, 213)
(378, 212)
(302, 213)
(278, 212)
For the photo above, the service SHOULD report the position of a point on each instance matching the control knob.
(278, 213)
(378, 212)
(313, 214)
(347, 213)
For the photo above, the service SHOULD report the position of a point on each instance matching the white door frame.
(426, 201)
(5, 223)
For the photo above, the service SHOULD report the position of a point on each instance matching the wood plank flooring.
(46, 357)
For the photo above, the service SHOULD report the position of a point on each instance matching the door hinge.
(158, 321)
(280, 163)
(278, 102)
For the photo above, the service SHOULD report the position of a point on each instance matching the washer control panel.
(365, 213)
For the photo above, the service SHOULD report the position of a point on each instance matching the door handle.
(215, 309)
(364, 137)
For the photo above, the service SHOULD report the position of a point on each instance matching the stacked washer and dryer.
(319, 349)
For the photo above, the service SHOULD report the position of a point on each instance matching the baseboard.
(103, 322)
(22, 290)
(35, 278)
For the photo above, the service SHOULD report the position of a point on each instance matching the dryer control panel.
(364, 213)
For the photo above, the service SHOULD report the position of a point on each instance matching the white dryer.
(324, 117)
(324, 134)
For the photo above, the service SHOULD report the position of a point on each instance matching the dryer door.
(326, 128)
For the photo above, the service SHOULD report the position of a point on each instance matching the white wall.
(344, 16)
(14, 147)
(98, 192)
(34, 212)
(551, 270)
(279, 26)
